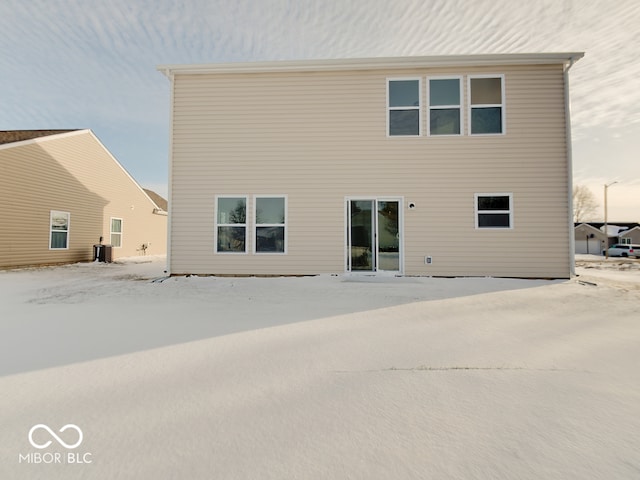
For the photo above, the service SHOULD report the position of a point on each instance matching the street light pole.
(606, 228)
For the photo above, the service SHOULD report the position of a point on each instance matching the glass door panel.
(388, 236)
(374, 236)
(361, 235)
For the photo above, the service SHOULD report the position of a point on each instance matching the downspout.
(169, 74)
(567, 117)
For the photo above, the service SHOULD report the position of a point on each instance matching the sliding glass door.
(373, 235)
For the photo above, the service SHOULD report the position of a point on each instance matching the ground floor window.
(116, 232)
(494, 210)
(231, 224)
(625, 241)
(59, 230)
(270, 224)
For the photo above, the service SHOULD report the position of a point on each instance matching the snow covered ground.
(319, 377)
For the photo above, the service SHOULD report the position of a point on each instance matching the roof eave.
(374, 63)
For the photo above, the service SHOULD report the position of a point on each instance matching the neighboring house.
(162, 203)
(61, 191)
(590, 237)
(631, 235)
(443, 166)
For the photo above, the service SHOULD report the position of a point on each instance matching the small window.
(486, 102)
(625, 241)
(270, 233)
(116, 232)
(445, 96)
(494, 210)
(59, 230)
(403, 107)
(231, 225)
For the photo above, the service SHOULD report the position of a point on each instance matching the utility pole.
(606, 227)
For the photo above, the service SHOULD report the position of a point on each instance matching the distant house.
(61, 192)
(453, 166)
(157, 199)
(631, 235)
(590, 237)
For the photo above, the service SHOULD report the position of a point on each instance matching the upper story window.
(270, 223)
(116, 232)
(59, 230)
(486, 104)
(445, 99)
(403, 107)
(494, 210)
(231, 224)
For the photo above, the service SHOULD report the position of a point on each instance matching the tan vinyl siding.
(71, 173)
(319, 137)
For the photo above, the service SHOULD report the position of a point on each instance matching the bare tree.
(584, 203)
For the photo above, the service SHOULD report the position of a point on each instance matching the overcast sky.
(91, 63)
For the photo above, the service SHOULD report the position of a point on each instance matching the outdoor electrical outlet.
(428, 260)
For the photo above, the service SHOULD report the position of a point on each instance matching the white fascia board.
(374, 63)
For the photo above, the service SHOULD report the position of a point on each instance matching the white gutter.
(567, 116)
(373, 63)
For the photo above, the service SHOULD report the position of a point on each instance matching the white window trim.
(419, 107)
(443, 107)
(68, 231)
(256, 224)
(245, 224)
(478, 212)
(111, 233)
(502, 105)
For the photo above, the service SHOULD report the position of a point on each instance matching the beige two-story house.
(62, 192)
(435, 166)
